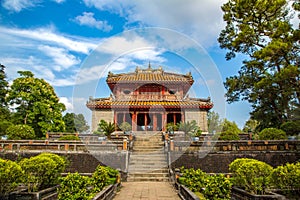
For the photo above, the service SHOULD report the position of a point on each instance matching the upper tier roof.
(149, 75)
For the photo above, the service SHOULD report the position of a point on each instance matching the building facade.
(148, 99)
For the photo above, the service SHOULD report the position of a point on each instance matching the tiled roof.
(105, 104)
(149, 75)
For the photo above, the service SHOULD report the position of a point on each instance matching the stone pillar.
(182, 117)
(115, 119)
(124, 117)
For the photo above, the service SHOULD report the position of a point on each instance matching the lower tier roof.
(115, 104)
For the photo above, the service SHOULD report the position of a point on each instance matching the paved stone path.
(147, 191)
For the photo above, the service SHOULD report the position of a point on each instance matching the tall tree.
(5, 116)
(250, 125)
(3, 86)
(36, 104)
(214, 122)
(270, 78)
(75, 123)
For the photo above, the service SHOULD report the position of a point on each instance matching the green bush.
(19, 132)
(212, 187)
(229, 136)
(69, 137)
(286, 177)
(75, 187)
(11, 175)
(272, 134)
(42, 171)
(233, 166)
(193, 179)
(253, 176)
(217, 187)
(291, 127)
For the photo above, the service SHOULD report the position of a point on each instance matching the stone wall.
(79, 161)
(200, 116)
(216, 157)
(107, 115)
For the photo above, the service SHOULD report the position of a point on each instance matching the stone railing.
(240, 145)
(48, 145)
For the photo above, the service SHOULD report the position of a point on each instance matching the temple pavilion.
(148, 99)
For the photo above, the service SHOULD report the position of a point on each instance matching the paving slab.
(147, 191)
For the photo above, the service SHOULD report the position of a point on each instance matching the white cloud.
(202, 20)
(46, 35)
(118, 45)
(18, 5)
(67, 102)
(59, 1)
(88, 19)
(60, 56)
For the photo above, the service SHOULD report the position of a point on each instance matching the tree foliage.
(250, 126)
(230, 131)
(214, 122)
(75, 123)
(3, 86)
(270, 77)
(20, 132)
(36, 104)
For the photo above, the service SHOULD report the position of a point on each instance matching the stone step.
(151, 174)
(145, 179)
(147, 164)
(143, 169)
(147, 147)
(143, 143)
(148, 159)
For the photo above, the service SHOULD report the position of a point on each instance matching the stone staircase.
(148, 160)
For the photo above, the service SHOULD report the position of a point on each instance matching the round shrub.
(11, 174)
(69, 137)
(19, 132)
(286, 177)
(42, 171)
(235, 165)
(291, 127)
(253, 176)
(272, 134)
(74, 187)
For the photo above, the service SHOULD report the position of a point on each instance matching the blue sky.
(72, 44)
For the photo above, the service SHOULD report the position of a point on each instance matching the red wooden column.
(134, 121)
(182, 117)
(145, 121)
(174, 118)
(154, 118)
(163, 118)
